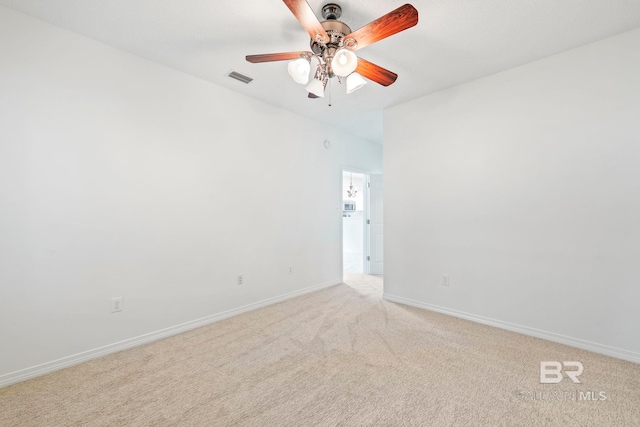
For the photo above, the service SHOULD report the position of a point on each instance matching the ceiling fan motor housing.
(336, 30)
(331, 11)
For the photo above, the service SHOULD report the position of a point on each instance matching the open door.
(376, 263)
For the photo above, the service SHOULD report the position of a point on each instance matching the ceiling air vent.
(240, 77)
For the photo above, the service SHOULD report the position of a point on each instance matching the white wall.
(120, 177)
(524, 187)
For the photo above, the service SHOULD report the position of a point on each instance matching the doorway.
(355, 210)
(362, 225)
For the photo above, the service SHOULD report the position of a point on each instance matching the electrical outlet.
(116, 304)
(290, 269)
(240, 280)
(445, 280)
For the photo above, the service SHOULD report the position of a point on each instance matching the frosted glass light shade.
(344, 63)
(316, 87)
(355, 82)
(299, 70)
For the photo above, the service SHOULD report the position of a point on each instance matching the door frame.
(365, 217)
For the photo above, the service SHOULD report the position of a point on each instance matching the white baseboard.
(65, 362)
(618, 353)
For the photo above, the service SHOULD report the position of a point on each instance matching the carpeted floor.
(338, 357)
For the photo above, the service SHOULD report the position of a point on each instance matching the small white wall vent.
(240, 77)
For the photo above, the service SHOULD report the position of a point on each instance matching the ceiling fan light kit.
(333, 45)
(299, 70)
(355, 82)
(344, 63)
(316, 88)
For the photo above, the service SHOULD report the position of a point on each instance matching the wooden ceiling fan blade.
(282, 56)
(309, 21)
(375, 72)
(387, 25)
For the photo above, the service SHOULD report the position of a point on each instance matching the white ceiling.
(455, 41)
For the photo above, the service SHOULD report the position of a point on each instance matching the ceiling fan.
(333, 44)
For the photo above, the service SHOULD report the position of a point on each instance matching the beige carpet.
(338, 357)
